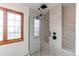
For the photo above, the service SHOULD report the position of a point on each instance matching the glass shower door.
(34, 39)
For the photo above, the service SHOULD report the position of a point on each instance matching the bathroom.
(37, 29)
(52, 29)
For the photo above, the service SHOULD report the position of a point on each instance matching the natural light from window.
(14, 26)
(1, 25)
(36, 27)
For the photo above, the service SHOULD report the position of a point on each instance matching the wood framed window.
(11, 26)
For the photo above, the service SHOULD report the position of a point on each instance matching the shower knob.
(54, 37)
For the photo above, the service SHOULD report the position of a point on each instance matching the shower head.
(43, 6)
(37, 17)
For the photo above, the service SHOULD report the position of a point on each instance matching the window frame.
(5, 23)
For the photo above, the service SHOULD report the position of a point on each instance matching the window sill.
(10, 41)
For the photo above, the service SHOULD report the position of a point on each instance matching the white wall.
(45, 33)
(68, 41)
(18, 48)
(77, 29)
(55, 25)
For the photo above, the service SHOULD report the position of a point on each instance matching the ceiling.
(35, 6)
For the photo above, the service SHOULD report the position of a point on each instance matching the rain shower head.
(43, 6)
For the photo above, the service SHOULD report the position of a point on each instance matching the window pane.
(36, 27)
(1, 14)
(14, 26)
(17, 23)
(10, 29)
(1, 25)
(18, 29)
(17, 17)
(10, 36)
(1, 21)
(1, 29)
(17, 35)
(1, 33)
(10, 23)
(36, 21)
(11, 16)
(1, 36)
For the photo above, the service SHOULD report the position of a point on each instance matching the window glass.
(1, 14)
(17, 35)
(1, 22)
(18, 17)
(1, 25)
(17, 23)
(36, 27)
(10, 29)
(11, 23)
(11, 16)
(14, 26)
(18, 29)
(10, 35)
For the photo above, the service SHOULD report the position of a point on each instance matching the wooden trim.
(22, 26)
(5, 26)
(10, 10)
(5, 32)
(10, 41)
